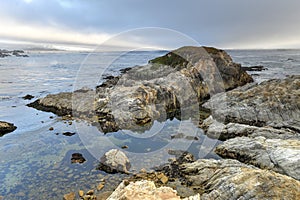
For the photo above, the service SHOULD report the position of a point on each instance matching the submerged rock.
(281, 156)
(6, 127)
(114, 161)
(230, 179)
(169, 86)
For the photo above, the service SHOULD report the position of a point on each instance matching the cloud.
(230, 23)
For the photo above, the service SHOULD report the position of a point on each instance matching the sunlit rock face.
(169, 86)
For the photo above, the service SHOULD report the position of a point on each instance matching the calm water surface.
(36, 162)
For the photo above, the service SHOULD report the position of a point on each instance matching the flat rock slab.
(218, 130)
(281, 156)
(230, 180)
(6, 127)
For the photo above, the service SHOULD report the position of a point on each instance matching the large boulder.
(230, 180)
(6, 127)
(282, 156)
(114, 161)
(169, 86)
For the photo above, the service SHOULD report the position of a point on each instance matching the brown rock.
(6, 127)
(90, 192)
(163, 178)
(70, 196)
(81, 193)
(100, 186)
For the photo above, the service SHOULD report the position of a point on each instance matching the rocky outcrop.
(272, 103)
(142, 190)
(260, 123)
(114, 161)
(281, 156)
(230, 179)
(17, 53)
(169, 86)
(6, 127)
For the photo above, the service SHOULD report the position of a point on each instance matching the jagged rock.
(6, 127)
(230, 180)
(114, 161)
(274, 103)
(281, 156)
(169, 86)
(142, 190)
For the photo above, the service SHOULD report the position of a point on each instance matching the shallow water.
(36, 162)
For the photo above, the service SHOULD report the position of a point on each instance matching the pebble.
(163, 178)
(81, 193)
(90, 192)
(70, 196)
(51, 129)
(100, 186)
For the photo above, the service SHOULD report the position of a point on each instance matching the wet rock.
(69, 134)
(164, 88)
(28, 97)
(274, 103)
(230, 179)
(281, 156)
(17, 53)
(255, 68)
(114, 161)
(77, 158)
(90, 192)
(70, 196)
(141, 190)
(6, 127)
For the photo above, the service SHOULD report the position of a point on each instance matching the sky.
(86, 23)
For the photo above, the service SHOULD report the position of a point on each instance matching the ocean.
(36, 162)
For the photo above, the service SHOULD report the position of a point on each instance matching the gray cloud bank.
(229, 24)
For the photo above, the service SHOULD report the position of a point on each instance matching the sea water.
(36, 162)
